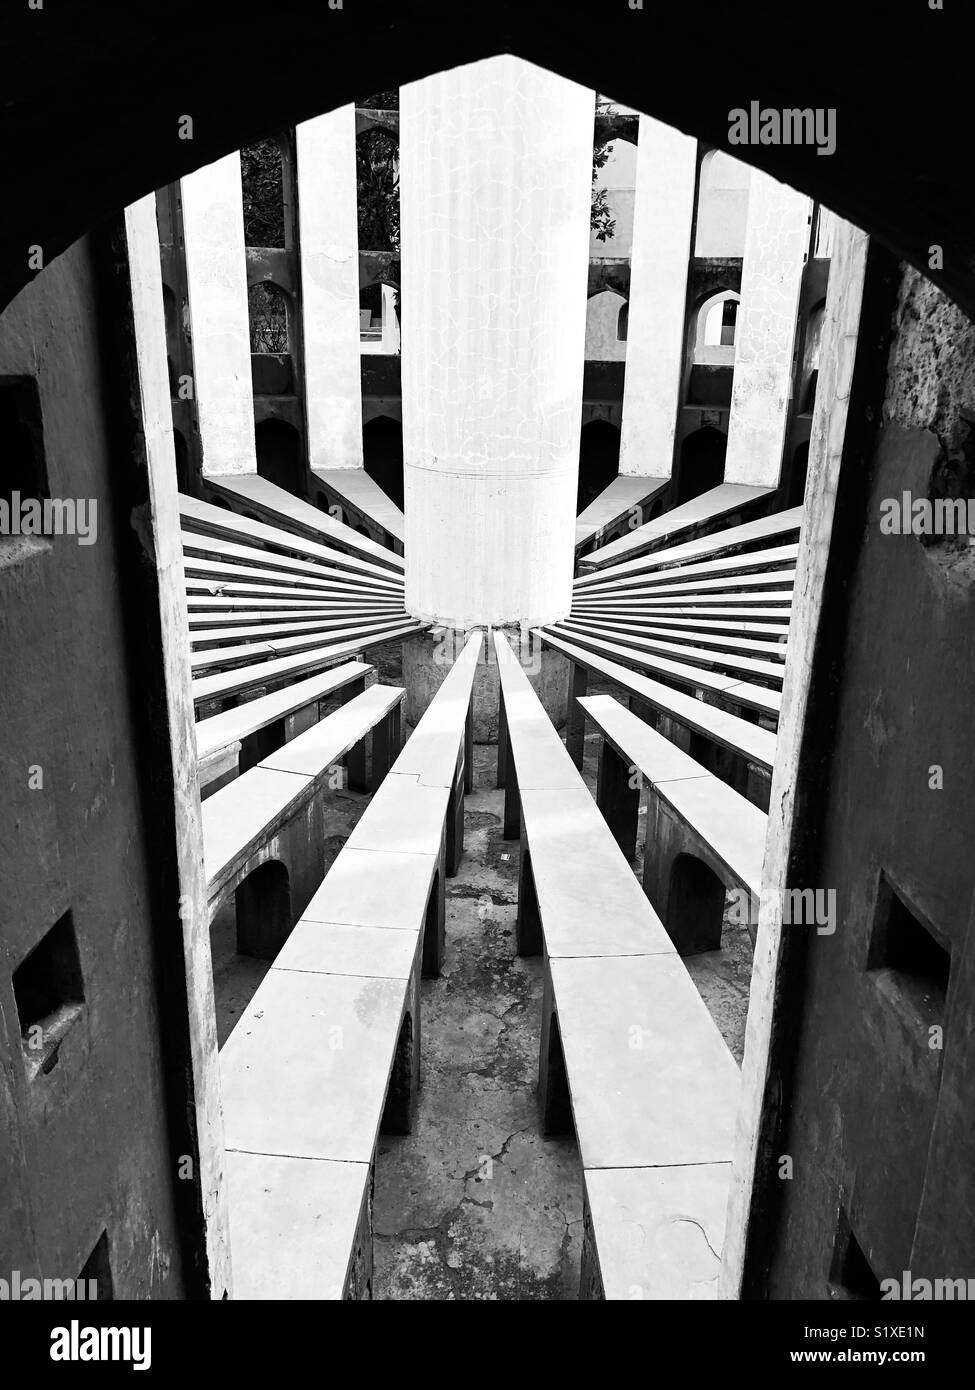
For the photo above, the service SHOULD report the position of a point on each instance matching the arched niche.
(278, 447)
(722, 206)
(603, 342)
(382, 453)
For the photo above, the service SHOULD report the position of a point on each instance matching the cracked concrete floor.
(475, 1204)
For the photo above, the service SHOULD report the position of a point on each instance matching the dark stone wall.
(881, 1118)
(85, 1148)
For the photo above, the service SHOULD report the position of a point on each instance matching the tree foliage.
(262, 179)
(377, 172)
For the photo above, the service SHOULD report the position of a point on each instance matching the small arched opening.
(701, 466)
(599, 460)
(810, 357)
(715, 330)
(603, 341)
(184, 469)
(398, 1110)
(278, 448)
(382, 453)
(722, 206)
(263, 903)
(171, 317)
(433, 929)
(270, 319)
(798, 470)
(695, 906)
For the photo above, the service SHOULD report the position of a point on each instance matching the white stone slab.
(659, 1231)
(719, 542)
(744, 562)
(708, 507)
(375, 888)
(246, 811)
(335, 948)
(331, 738)
(541, 759)
(621, 496)
(590, 901)
(305, 1069)
(296, 515)
(403, 816)
(283, 646)
(431, 751)
(293, 1224)
(692, 654)
(204, 516)
(651, 1079)
(202, 546)
(224, 683)
(731, 825)
(355, 486)
(752, 742)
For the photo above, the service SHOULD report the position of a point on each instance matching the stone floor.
(475, 1204)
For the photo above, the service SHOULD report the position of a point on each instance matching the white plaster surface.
(216, 273)
(775, 246)
(495, 189)
(305, 1069)
(329, 248)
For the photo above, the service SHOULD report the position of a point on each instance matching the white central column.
(495, 180)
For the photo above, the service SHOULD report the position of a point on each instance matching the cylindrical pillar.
(495, 187)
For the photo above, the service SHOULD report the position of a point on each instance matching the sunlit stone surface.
(663, 211)
(775, 248)
(328, 238)
(216, 272)
(495, 189)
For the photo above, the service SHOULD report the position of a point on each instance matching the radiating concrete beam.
(329, 251)
(662, 219)
(776, 243)
(216, 273)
